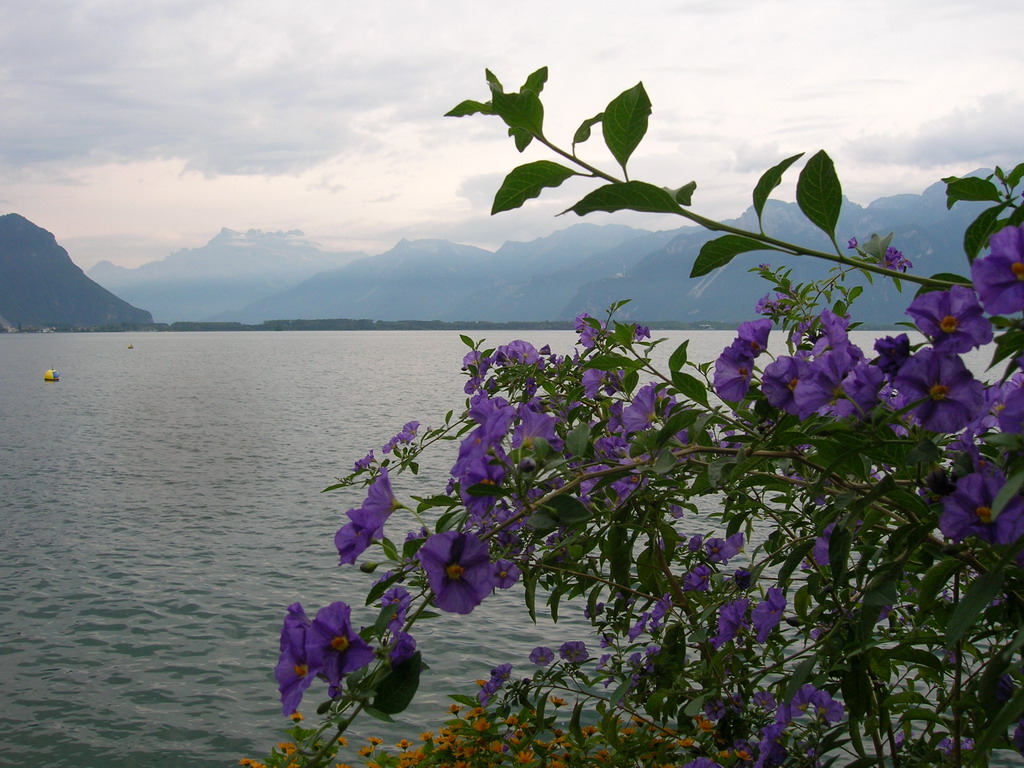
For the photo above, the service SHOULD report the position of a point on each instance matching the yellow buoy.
(131, 346)
(51, 375)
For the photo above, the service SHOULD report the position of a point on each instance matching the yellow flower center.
(938, 392)
(984, 514)
(301, 670)
(949, 324)
(1018, 269)
(454, 571)
(792, 384)
(340, 643)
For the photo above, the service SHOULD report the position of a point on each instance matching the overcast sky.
(133, 128)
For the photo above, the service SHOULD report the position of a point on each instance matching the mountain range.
(256, 276)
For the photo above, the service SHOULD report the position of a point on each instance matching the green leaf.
(526, 182)
(568, 510)
(684, 194)
(799, 677)
(396, 690)
(819, 194)
(1010, 489)
(978, 231)
(583, 132)
(720, 251)
(577, 441)
(970, 188)
(769, 181)
(626, 196)
(975, 600)
(678, 358)
(625, 122)
(470, 107)
(691, 387)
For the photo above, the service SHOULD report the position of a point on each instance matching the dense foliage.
(802, 553)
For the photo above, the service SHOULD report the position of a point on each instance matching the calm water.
(161, 506)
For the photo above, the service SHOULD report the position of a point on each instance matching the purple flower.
(952, 319)
(499, 675)
(766, 615)
(999, 277)
(402, 649)
(754, 335)
(353, 538)
(1011, 415)
(293, 672)
(333, 647)
(702, 762)
(542, 655)
(731, 619)
(533, 425)
(405, 436)
(968, 511)
(894, 259)
(364, 462)
(643, 411)
(400, 597)
(826, 708)
(459, 570)
(506, 573)
(733, 370)
(587, 331)
(851, 243)
(721, 550)
(821, 544)
(892, 353)
(574, 651)
(950, 396)
(781, 379)
(698, 579)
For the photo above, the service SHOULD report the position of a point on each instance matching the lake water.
(161, 507)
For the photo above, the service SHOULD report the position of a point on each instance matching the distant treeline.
(344, 324)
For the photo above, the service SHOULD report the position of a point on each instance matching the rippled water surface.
(161, 506)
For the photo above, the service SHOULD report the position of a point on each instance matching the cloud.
(982, 134)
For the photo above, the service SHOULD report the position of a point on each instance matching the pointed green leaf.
(970, 188)
(625, 122)
(769, 181)
(629, 196)
(720, 251)
(397, 689)
(583, 132)
(978, 231)
(678, 358)
(684, 194)
(819, 194)
(526, 182)
(975, 600)
(470, 107)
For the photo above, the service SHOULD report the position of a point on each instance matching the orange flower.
(480, 724)
(343, 740)
(426, 736)
(525, 756)
(296, 717)
(556, 701)
(364, 751)
(375, 741)
(404, 744)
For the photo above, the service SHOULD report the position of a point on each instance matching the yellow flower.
(375, 741)
(454, 708)
(343, 741)
(364, 751)
(480, 724)
(426, 736)
(525, 756)
(404, 744)
(296, 717)
(556, 701)
(287, 747)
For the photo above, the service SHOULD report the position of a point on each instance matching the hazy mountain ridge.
(41, 287)
(257, 276)
(231, 270)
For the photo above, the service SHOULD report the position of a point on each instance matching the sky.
(131, 129)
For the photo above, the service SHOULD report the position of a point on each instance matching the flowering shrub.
(807, 557)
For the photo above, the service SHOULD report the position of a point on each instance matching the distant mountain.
(230, 271)
(586, 267)
(440, 280)
(40, 286)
